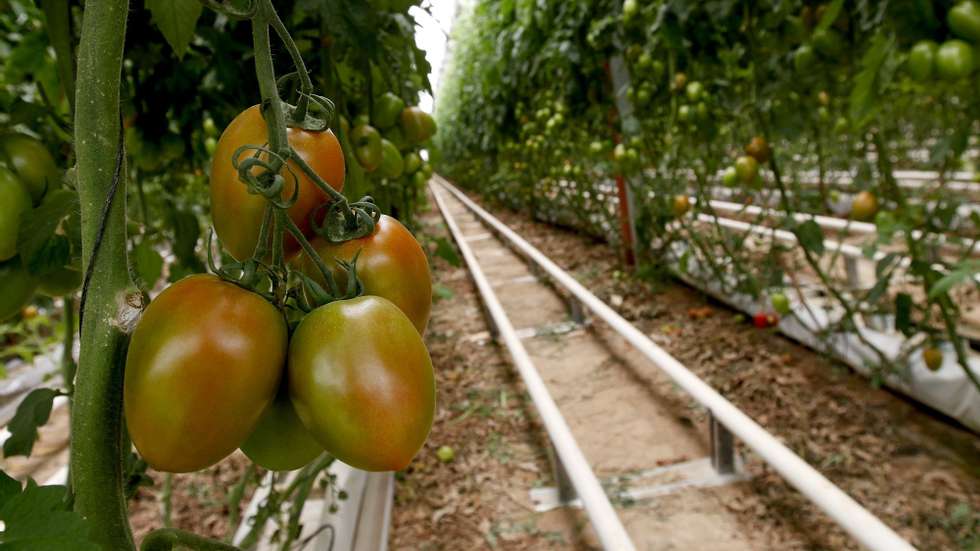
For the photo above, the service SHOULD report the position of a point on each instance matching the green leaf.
(865, 101)
(447, 252)
(964, 271)
(442, 292)
(810, 236)
(903, 312)
(176, 20)
(32, 413)
(149, 263)
(38, 230)
(829, 15)
(37, 518)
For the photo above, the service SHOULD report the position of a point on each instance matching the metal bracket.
(566, 491)
(853, 275)
(722, 447)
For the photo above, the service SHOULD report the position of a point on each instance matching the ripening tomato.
(746, 168)
(18, 288)
(15, 203)
(933, 358)
(391, 264)
(954, 60)
(361, 380)
(279, 441)
(922, 60)
(238, 214)
(204, 362)
(681, 205)
(31, 162)
(417, 125)
(758, 149)
(865, 206)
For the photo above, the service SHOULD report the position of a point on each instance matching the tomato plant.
(362, 382)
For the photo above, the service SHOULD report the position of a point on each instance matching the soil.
(917, 471)
(199, 500)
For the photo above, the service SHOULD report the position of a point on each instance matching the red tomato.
(238, 214)
(392, 265)
(204, 361)
(762, 320)
(361, 380)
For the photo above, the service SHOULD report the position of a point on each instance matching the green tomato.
(964, 20)
(210, 129)
(60, 282)
(279, 441)
(31, 162)
(684, 113)
(210, 144)
(392, 164)
(746, 168)
(954, 60)
(18, 288)
(445, 454)
(729, 177)
(367, 147)
(922, 60)
(595, 147)
(387, 108)
(780, 303)
(829, 43)
(412, 162)
(804, 58)
(631, 8)
(694, 91)
(15, 203)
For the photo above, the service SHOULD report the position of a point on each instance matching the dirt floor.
(918, 472)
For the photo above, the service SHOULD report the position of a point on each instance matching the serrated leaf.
(32, 413)
(37, 518)
(40, 226)
(148, 262)
(447, 252)
(810, 236)
(176, 19)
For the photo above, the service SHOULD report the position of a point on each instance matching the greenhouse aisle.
(500, 450)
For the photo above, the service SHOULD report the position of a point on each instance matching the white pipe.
(850, 515)
(604, 520)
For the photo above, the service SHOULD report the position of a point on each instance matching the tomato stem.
(166, 539)
(97, 450)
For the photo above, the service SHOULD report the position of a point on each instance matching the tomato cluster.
(958, 56)
(213, 366)
(385, 141)
(29, 178)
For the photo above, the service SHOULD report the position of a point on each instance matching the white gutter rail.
(850, 515)
(606, 523)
